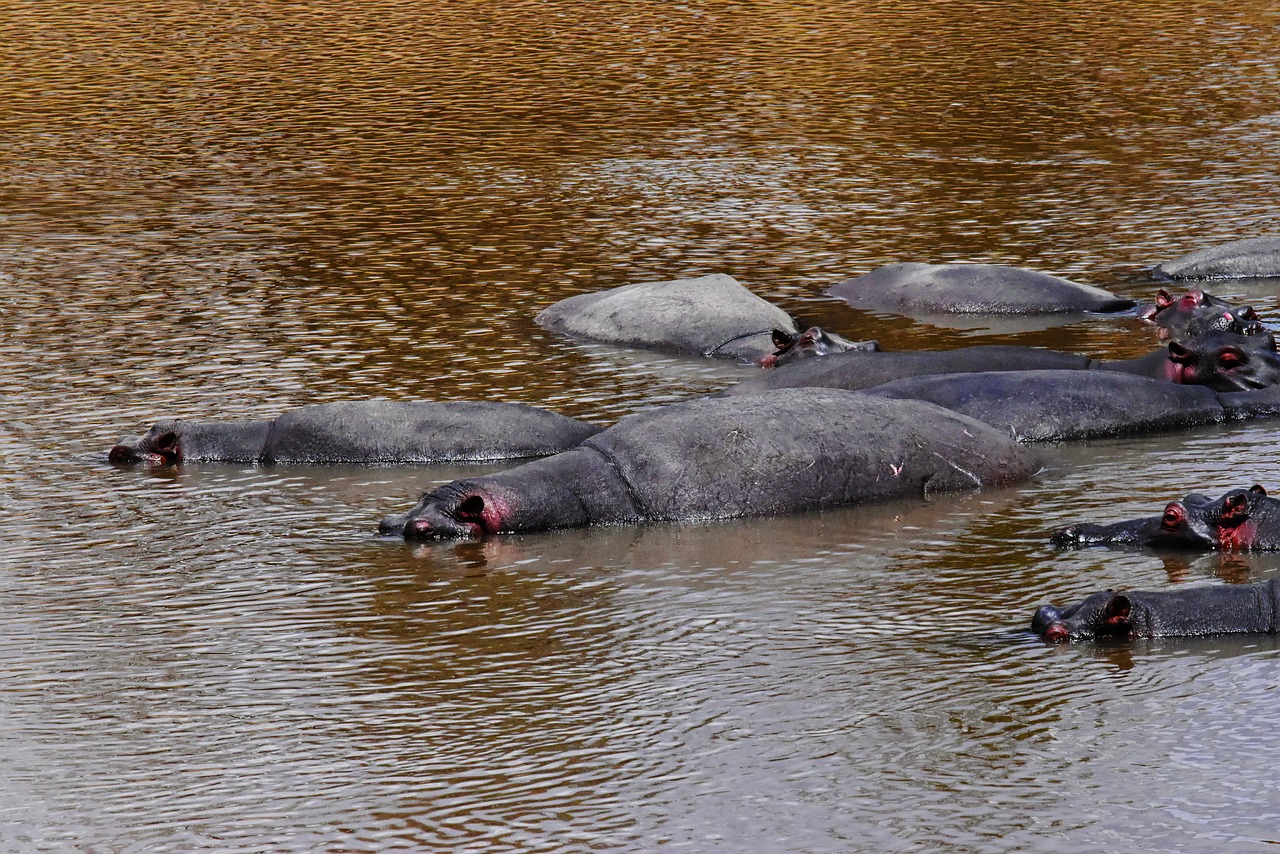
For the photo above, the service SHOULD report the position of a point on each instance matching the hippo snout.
(1066, 538)
(1048, 624)
(393, 525)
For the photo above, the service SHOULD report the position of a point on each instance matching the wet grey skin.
(1223, 361)
(786, 452)
(1197, 312)
(1256, 257)
(1240, 520)
(814, 341)
(1186, 612)
(370, 431)
(705, 316)
(973, 289)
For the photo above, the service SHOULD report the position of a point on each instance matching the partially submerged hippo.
(1055, 406)
(1197, 312)
(973, 289)
(814, 341)
(707, 316)
(793, 450)
(1256, 257)
(1202, 610)
(1241, 520)
(1220, 360)
(370, 431)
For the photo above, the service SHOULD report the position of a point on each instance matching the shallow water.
(230, 211)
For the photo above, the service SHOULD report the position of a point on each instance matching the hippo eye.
(1230, 357)
(1174, 515)
(1247, 313)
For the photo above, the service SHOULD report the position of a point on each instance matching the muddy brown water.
(227, 210)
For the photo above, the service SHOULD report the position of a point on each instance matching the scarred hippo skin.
(370, 431)
(1221, 360)
(1203, 610)
(1241, 520)
(708, 316)
(785, 452)
(973, 289)
(1256, 257)
(814, 341)
(1056, 406)
(1197, 312)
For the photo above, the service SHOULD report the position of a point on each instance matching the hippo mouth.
(443, 518)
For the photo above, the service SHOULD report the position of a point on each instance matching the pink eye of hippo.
(1174, 515)
(1231, 358)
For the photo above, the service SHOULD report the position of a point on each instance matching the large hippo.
(814, 341)
(1256, 257)
(707, 316)
(973, 289)
(793, 450)
(369, 431)
(1241, 520)
(1217, 609)
(1221, 360)
(1197, 312)
(1055, 406)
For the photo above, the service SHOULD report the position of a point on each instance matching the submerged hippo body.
(1257, 257)
(371, 431)
(794, 450)
(1241, 520)
(973, 289)
(1224, 361)
(707, 316)
(1203, 610)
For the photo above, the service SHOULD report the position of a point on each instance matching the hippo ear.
(1163, 298)
(1257, 489)
(1115, 616)
(471, 511)
(783, 339)
(166, 445)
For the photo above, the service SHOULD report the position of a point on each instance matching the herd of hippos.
(855, 425)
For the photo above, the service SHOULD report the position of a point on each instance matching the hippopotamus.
(785, 452)
(1241, 520)
(1197, 312)
(973, 289)
(707, 316)
(1217, 609)
(1055, 406)
(814, 341)
(1221, 360)
(1256, 257)
(369, 431)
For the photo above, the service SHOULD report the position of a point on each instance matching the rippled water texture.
(227, 210)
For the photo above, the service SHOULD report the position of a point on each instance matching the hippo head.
(1102, 615)
(1234, 519)
(814, 341)
(1184, 524)
(1225, 361)
(161, 445)
(1197, 312)
(459, 510)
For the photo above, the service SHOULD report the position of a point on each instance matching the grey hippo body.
(973, 289)
(370, 431)
(1193, 611)
(706, 316)
(1255, 257)
(1240, 520)
(789, 451)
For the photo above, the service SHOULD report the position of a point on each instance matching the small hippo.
(707, 316)
(1256, 257)
(1217, 609)
(1197, 312)
(1241, 520)
(973, 289)
(785, 452)
(369, 431)
(814, 341)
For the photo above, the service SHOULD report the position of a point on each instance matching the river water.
(228, 210)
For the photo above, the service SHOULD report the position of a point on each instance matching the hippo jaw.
(1236, 528)
(451, 514)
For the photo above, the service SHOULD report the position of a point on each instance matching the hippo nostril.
(419, 528)
(121, 454)
(1056, 632)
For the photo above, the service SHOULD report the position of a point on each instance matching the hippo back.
(798, 449)
(1256, 257)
